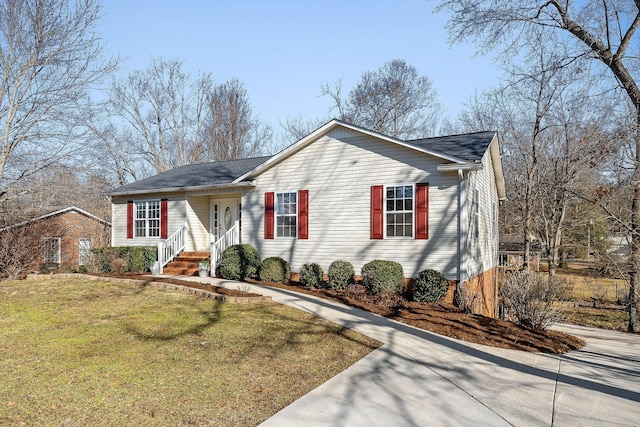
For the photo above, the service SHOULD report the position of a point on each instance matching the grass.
(78, 352)
(617, 320)
(610, 290)
(606, 291)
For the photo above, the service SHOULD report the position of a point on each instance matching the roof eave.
(464, 167)
(232, 185)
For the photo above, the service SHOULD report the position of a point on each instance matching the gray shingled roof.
(200, 174)
(469, 147)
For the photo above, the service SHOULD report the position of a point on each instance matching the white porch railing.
(231, 237)
(171, 247)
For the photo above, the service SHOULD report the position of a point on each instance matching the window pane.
(140, 228)
(389, 205)
(408, 204)
(398, 192)
(408, 191)
(399, 205)
(407, 231)
(390, 232)
(390, 192)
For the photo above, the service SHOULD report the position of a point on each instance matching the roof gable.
(455, 148)
(56, 213)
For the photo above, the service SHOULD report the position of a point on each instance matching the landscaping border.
(159, 285)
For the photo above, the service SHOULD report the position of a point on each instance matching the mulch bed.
(447, 320)
(442, 319)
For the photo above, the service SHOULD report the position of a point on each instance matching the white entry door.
(224, 213)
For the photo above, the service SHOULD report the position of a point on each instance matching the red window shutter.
(422, 211)
(164, 219)
(269, 215)
(130, 219)
(303, 214)
(377, 212)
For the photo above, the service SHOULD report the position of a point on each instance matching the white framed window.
(84, 250)
(52, 250)
(286, 214)
(147, 218)
(399, 204)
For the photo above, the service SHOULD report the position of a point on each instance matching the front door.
(224, 213)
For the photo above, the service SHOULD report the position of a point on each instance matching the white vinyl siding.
(338, 170)
(198, 223)
(176, 218)
(481, 227)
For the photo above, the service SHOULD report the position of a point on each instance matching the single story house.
(511, 252)
(341, 192)
(63, 238)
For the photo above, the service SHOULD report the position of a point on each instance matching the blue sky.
(283, 51)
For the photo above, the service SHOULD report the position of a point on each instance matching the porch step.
(186, 264)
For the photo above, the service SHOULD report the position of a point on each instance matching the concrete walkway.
(418, 378)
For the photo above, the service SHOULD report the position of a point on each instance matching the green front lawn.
(78, 352)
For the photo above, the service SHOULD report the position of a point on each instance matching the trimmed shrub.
(380, 275)
(531, 298)
(312, 276)
(239, 262)
(341, 274)
(429, 286)
(136, 259)
(275, 269)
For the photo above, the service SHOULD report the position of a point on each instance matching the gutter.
(231, 186)
(459, 167)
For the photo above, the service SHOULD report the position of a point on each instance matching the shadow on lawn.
(168, 332)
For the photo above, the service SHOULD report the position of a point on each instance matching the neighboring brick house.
(67, 237)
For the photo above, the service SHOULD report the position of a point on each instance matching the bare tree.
(603, 32)
(50, 58)
(163, 113)
(296, 128)
(232, 131)
(394, 100)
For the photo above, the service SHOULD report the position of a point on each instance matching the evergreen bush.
(341, 274)
(429, 286)
(239, 262)
(312, 276)
(132, 259)
(275, 269)
(380, 275)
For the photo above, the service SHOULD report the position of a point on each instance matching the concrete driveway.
(421, 379)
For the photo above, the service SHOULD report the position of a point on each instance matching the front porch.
(212, 224)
